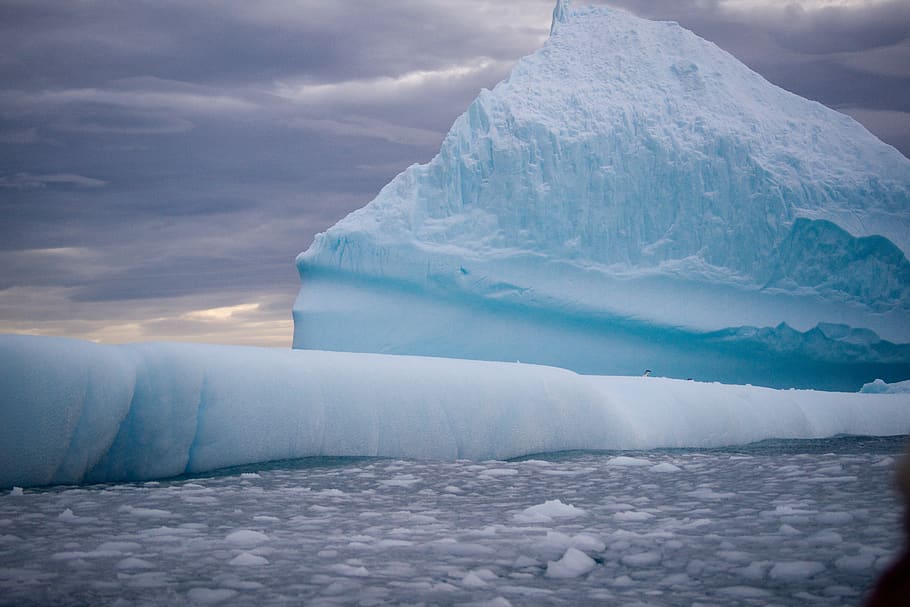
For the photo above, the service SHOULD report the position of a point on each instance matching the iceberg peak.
(631, 197)
(560, 13)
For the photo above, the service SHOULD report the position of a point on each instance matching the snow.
(76, 412)
(391, 545)
(632, 197)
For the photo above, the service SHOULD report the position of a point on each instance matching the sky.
(163, 163)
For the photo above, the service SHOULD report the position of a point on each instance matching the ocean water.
(775, 523)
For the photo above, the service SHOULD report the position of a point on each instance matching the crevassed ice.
(73, 411)
(632, 197)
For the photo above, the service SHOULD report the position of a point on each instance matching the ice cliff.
(74, 411)
(632, 197)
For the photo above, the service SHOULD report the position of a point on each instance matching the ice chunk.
(880, 387)
(632, 516)
(665, 467)
(472, 580)
(245, 559)
(795, 570)
(246, 537)
(547, 511)
(134, 563)
(147, 512)
(573, 563)
(349, 570)
(625, 462)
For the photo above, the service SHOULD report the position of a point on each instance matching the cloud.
(222, 314)
(133, 106)
(36, 311)
(27, 181)
(385, 86)
(886, 124)
(149, 93)
(360, 126)
(839, 28)
(29, 135)
(892, 61)
(163, 159)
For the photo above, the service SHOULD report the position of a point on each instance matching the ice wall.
(634, 181)
(73, 411)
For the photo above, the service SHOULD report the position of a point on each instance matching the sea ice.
(210, 596)
(795, 570)
(394, 547)
(572, 564)
(547, 511)
(247, 538)
(665, 467)
(245, 559)
(624, 460)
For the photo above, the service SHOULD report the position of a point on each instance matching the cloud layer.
(167, 158)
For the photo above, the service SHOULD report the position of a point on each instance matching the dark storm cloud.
(162, 158)
(841, 29)
(91, 43)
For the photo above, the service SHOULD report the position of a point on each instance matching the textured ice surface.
(784, 523)
(632, 197)
(880, 387)
(73, 411)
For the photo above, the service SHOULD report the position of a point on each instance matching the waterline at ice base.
(632, 197)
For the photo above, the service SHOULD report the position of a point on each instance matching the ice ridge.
(627, 172)
(78, 412)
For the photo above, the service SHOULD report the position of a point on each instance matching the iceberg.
(632, 197)
(77, 412)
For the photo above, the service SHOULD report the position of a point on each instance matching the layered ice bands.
(632, 197)
(73, 411)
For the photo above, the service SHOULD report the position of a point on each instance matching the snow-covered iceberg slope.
(73, 411)
(632, 197)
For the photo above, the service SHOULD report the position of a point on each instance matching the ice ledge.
(73, 411)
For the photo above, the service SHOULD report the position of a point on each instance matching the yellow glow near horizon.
(223, 313)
